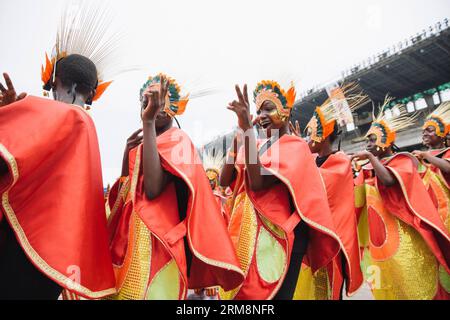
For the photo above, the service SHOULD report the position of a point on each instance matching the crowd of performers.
(278, 217)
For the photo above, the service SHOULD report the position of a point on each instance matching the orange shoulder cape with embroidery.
(338, 178)
(53, 193)
(214, 262)
(443, 154)
(410, 202)
(301, 178)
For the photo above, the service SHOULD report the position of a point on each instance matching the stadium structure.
(415, 72)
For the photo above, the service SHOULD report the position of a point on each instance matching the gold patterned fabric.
(439, 188)
(260, 247)
(312, 286)
(243, 231)
(402, 267)
(136, 267)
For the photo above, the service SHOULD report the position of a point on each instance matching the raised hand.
(242, 109)
(134, 140)
(296, 130)
(156, 99)
(8, 95)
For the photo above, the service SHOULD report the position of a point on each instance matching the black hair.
(335, 134)
(77, 70)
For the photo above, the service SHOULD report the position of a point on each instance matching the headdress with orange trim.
(325, 118)
(82, 30)
(175, 104)
(268, 90)
(386, 125)
(439, 119)
(213, 163)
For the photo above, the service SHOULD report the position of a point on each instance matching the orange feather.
(290, 97)
(46, 74)
(181, 104)
(101, 89)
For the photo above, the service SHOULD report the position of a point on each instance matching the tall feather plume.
(443, 112)
(353, 95)
(85, 29)
(397, 122)
(213, 160)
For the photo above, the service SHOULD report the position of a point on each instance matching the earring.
(378, 148)
(314, 144)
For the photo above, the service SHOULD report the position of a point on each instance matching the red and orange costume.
(437, 184)
(52, 195)
(262, 223)
(337, 175)
(147, 236)
(436, 181)
(406, 246)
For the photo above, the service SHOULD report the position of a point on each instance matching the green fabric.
(166, 284)
(270, 257)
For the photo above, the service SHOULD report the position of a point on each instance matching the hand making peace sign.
(242, 109)
(8, 95)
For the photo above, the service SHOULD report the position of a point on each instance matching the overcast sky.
(214, 44)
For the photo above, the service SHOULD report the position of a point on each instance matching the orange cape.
(338, 177)
(53, 193)
(410, 202)
(290, 160)
(214, 262)
(443, 154)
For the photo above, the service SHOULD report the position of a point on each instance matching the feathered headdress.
(385, 127)
(213, 164)
(175, 104)
(271, 91)
(326, 116)
(439, 119)
(82, 30)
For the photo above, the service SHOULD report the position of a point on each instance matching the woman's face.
(430, 138)
(269, 119)
(371, 145)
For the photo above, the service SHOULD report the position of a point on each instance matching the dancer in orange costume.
(406, 241)
(163, 212)
(280, 209)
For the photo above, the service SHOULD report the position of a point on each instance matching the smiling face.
(430, 138)
(269, 118)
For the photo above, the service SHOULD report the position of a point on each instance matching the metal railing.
(431, 31)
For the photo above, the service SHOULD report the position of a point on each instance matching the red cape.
(443, 154)
(301, 178)
(53, 193)
(214, 262)
(411, 203)
(338, 177)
